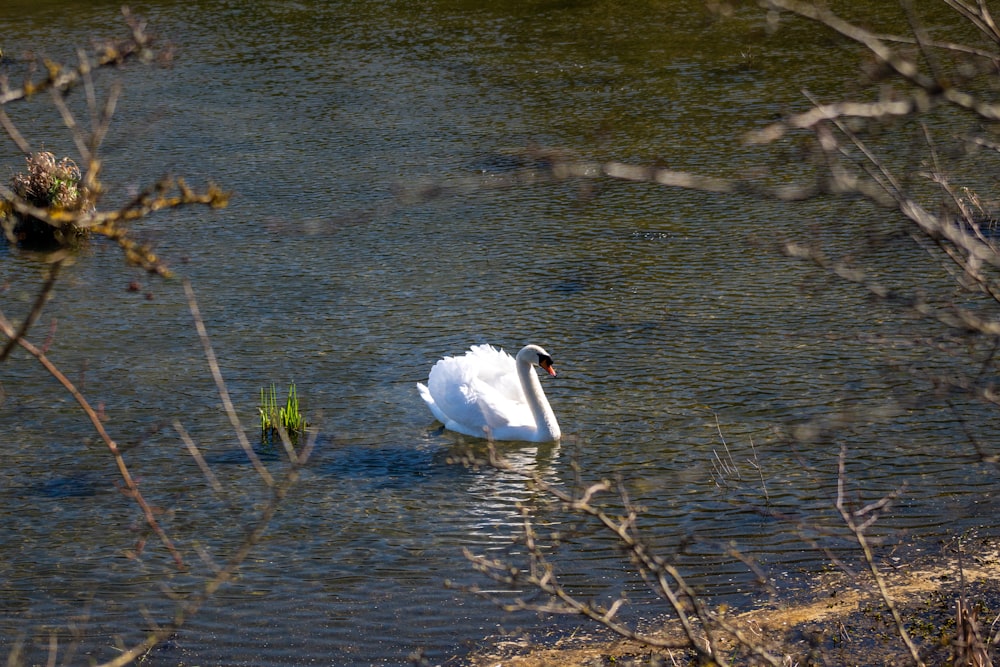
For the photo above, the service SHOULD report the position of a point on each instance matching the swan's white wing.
(497, 369)
(498, 409)
(477, 393)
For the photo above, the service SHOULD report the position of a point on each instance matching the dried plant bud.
(50, 184)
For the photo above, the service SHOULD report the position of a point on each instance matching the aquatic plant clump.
(53, 185)
(274, 419)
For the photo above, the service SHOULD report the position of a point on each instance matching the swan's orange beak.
(547, 365)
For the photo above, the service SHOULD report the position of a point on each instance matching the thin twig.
(279, 491)
(131, 488)
(12, 132)
(858, 530)
(220, 385)
(199, 459)
(36, 309)
(699, 624)
(755, 464)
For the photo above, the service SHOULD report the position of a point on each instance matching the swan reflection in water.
(495, 492)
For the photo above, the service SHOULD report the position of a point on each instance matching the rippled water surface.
(669, 314)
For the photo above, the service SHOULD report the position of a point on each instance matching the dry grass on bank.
(843, 623)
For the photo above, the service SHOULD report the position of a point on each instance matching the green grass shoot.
(274, 418)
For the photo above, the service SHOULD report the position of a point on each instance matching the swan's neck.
(545, 419)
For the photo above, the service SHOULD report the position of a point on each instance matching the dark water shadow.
(70, 486)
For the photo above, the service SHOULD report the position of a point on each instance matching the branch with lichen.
(108, 53)
(168, 193)
(63, 195)
(62, 198)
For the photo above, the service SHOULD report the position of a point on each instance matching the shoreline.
(838, 622)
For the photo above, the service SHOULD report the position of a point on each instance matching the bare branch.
(279, 491)
(199, 459)
(13, 133)
(701, 626)
(131, 488)
(36, 309)
(978, 15)
(220, 384)
(904, 67)
(827, 112)
(107, 54)
(858, 530)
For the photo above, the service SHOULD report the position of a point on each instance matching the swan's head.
(536, 356)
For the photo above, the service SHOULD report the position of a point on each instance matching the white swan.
(487, 394)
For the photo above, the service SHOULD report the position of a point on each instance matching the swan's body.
(488, 394)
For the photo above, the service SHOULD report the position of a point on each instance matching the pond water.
(669, 314)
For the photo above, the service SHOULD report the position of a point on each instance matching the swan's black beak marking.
(546, 362)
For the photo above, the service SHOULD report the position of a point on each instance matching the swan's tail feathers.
(425, 394)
